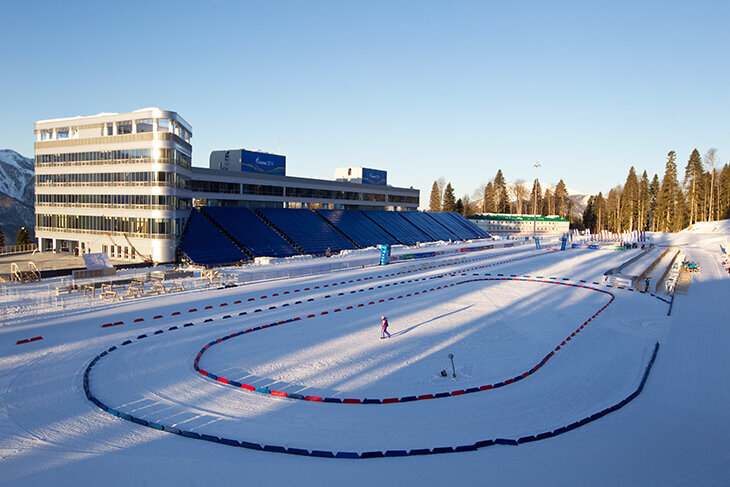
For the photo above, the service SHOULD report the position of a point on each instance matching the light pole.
(534, 206)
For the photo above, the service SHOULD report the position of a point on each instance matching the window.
(62, 133)
(145, 125)
(163, 125)
(124, 127)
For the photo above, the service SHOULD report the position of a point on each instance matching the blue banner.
(374, 176)
(263, 163)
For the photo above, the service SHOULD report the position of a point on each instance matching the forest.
(654, 204)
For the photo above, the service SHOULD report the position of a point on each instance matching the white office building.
(117, 183)
(122, 184)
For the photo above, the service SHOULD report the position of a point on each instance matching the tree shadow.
(403, 332)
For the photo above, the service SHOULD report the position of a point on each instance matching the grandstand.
(205, 244)
(432, 227)
(313, 234)
(406, 232)
(459, 225)
(250, 232)
(219, 235)
(358, 228)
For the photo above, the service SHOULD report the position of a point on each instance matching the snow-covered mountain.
(17, 190)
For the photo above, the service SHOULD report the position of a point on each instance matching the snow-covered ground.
(676, 432)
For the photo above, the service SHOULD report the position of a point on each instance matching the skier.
(384, 328)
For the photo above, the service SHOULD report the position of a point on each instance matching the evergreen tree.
(489, 204)
(22, 237)
(561, 200)
(435, 201)
(459, 206)
(589, 216)
(547, 203)
(536, 192)
(643, 210)
(501, 195)
(723, 192)
(694, 186)
(654, 188)
(630, 201)
(449, 201)
(599, 208)
(2, 238)
(666, 206)
(613, 210)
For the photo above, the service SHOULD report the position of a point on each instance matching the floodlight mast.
(534, 205)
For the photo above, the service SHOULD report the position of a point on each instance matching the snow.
(677, 432)
(16, 172)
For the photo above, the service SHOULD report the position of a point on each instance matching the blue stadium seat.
(359, 228)
(429, 226)
(251, 232)
(307, 229)
(204, 244)
(400, 228)
(458, 225)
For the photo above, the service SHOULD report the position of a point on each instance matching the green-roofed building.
(520, 225)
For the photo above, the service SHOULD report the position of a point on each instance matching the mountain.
(17, 192)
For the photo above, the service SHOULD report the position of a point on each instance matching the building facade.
(123, 184)
(113, 183)
(520, 225)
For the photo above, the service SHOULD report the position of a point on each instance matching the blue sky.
(420, 89)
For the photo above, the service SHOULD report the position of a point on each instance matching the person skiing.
(384, 328)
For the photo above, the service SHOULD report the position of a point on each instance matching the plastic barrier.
(372, 454)
(427, 396)
(28, 340)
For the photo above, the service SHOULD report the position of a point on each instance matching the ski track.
(495, 329)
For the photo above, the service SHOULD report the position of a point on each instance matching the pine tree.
(459, 207)
(723, 192)
(22, 237)
(501, 195)
(654, 188)
(630, 201)
(613, 209)
(547, 203)
(449, 201)
(435, 201)
(589, 216)
(599, 208)
(694, 186)
(489, 204)
(2, 238)
(536, 192)
(561, 200)
(666, 206)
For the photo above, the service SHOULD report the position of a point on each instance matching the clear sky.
(421, 89)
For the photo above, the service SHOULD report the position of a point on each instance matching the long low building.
(123, 184)
(520, 225)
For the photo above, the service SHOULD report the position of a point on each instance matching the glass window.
(62, 133)
(163, 125)
(144, 125)
(124, 127)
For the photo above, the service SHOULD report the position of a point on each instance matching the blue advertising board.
(374, 176)
(263, 163)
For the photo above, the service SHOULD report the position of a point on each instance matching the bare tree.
(442, 186)
(520, 192)
(710, 157)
